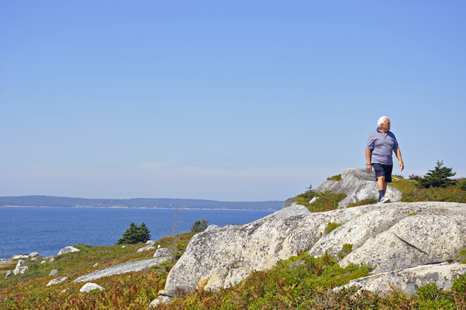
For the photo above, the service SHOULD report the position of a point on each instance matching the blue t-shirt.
(382, 147)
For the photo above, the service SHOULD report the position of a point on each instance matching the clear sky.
(222, 100)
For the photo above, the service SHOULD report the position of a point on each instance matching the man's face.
(385, 126)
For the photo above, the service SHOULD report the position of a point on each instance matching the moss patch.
(331, 227)
(335, 177)
(326, 202)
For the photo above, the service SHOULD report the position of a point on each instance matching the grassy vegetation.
(301, 282)
(331, 226)
(335, 177)
(326, 202)
(413, 193)
(128, 291)
(305, 282)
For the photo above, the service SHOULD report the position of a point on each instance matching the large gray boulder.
(357, 184)
(228, 254)
(389, 237)
(122, 268)
(68, 249)
(400, 235)
(408, 280)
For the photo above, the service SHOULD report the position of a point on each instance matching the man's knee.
(381, 178)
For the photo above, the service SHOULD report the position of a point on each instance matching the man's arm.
(368, 160)
(398, 155)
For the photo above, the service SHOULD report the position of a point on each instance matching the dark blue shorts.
(383, 171)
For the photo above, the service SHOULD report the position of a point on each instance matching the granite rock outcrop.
(389, 237)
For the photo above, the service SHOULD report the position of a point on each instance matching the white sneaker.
(385, 199)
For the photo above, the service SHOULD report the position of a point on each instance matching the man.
(380, 145)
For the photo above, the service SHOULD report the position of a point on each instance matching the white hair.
(381, 121)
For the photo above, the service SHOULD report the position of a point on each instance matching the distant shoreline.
(143, 208)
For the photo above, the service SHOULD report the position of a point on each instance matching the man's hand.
(368, 160)
(401, 165)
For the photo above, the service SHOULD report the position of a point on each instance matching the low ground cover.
(127, 291)
(305, 282)
(326, 201)
(412, 193)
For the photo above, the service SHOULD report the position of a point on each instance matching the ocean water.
(47, 230)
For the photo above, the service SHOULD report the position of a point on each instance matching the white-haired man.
(379, 147)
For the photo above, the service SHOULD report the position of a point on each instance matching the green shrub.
(462, 254)
(459, 290)
(330, 227)
(431, 297)
(462, 184)
(345, 250)
(439, 177)
(412, 193)
(335, 177)
(135, 234)
(309, 193)
(199, 226)
(326, 202)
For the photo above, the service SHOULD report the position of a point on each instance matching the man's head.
(384, 124)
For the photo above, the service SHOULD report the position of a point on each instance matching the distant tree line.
(51, 201)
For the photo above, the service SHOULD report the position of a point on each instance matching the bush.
(135, 234)
(334, 178)
(309, 193)
(439, 177)
(345, 250)
(199, 226)
(462, 185)
(331, 226)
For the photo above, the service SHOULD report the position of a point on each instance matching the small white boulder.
(146, 248)
(9, 273)
(89, 287)
(163, 252)
(34, 254)
(68, 249)
(57, 280)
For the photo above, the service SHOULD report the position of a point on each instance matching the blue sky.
(223, 100)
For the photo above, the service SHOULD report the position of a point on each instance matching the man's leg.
(381, 186)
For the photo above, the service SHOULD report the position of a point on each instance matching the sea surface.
(47, 230)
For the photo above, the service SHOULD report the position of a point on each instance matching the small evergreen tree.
(135, 234)
(439, 177)
(199, 226)
(309, 193)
